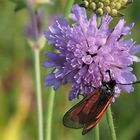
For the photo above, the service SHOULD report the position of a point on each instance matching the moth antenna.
(109, 73)
(137, 82)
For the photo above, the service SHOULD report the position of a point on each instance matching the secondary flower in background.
(85, 51)
(29, 29)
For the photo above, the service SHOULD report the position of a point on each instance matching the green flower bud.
(114, 12)
(107, 2)
(112, 4)
(92, 6)
(85, 4)
(107, 9)
(118, 5)
(100, 5)
(123, 2)
(100, 11)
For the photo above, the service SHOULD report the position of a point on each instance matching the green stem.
(67, 8)
(36, 49)
(49, 114)
(110, 123)
(38, 92)
(96, 134)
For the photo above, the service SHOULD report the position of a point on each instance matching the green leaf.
(20, 4)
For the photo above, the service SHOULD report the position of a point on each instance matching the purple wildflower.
(84, 51)
(29, 29)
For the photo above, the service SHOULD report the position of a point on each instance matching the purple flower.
(29, 30)
(84, 52)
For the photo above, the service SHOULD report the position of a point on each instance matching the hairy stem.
(96, 134)
(49, 114)
(110, 123)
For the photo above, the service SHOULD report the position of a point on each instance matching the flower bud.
(123, 2)
(112, 4)
(92, 6)
(100, 11)
(107, 9)
(85, 4)
(107, 2)
(101, 7)
(118, 5)
(114, 12)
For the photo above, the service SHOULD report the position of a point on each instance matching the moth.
(88, 112)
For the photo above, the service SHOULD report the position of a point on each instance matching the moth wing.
(96, 114)
(78, 114)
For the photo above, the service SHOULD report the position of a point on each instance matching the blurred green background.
(18, 113)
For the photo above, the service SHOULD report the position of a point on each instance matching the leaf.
(20, 4)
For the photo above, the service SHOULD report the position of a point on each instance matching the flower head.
(29, 29)
(85, 52)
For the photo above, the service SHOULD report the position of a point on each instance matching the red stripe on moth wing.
(104, 109)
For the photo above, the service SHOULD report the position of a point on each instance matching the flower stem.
(110, 123)
(96, 134)
(67, 8)
(36, 49)
(38, 91)
(49, 114)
